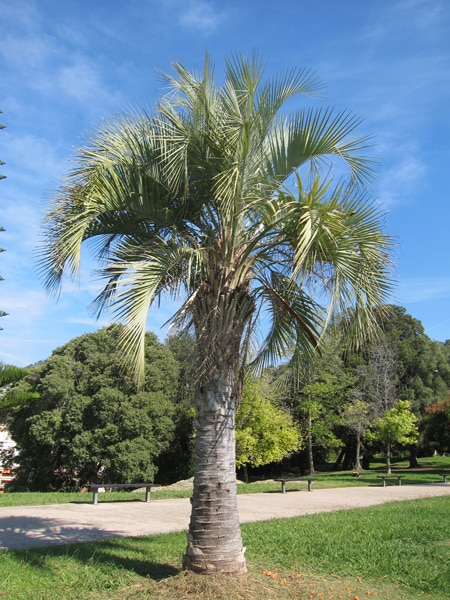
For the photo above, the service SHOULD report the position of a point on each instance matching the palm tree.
(194, 202)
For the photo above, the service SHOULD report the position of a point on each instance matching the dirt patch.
(188, 484)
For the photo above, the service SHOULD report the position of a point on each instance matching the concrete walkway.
(35, 526)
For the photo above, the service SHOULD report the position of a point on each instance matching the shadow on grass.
(138, 556)
(110, 553)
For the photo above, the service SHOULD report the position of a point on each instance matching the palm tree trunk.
(214, 538)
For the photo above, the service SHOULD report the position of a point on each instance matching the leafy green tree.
(436, 426)
(397, 426)
(357, 418)
(11, 374)
(405, 364)
(176, 462)
(318, 386)
(86, 419)
(422, 366)
(191, 202)
(264, 432)
(318, 414)
(10, 396)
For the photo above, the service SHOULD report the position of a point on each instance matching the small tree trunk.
(388, 459)
(358, 466)
(310, 447)
(413, 463)
(214, 538)
(339, 460)
(243, 473)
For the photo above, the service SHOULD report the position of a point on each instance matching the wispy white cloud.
(56, 64)
(28, 53)
(397, 183)
(424, 289)
(82, 81)
(95, 323)
(425, 14)
(23, 14)
(31, 156)
(24, 307)
(200, 16)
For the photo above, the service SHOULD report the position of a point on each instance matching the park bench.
(283, 482)
(444, 475)
(95, 487)
(397, 477)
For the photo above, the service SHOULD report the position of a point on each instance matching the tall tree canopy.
(197, 201)
(86, 419)
(436, 425)
(422, 366)
(404, 364)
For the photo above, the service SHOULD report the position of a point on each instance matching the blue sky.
(64, 66)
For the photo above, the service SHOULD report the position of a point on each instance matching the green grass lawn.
(396, 551)
(428, 472)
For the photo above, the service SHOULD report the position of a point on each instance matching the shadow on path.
(21, 532)
(117, 553)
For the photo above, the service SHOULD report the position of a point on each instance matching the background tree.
(422, 365)
(190, 202)
(317, 417)
(264, 432)
(86, 418)
(378, 379)
(318, 386)
(10, 374)
(405, 364)
(176, 462)
(10, 397)
(436, 426)
(356, 417)
(398, 425)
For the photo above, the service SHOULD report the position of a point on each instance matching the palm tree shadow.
(100, 553)
(17, 534)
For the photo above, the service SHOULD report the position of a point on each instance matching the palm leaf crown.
(197, 195)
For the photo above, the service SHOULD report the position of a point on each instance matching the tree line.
(78, 417)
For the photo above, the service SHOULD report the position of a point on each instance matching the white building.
(6, 443)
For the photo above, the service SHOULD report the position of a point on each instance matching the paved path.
(34, 526)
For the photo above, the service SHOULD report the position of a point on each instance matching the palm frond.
(294, 320)
(339, 245)
(192, 197)
(315, 136)
(133, 286)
